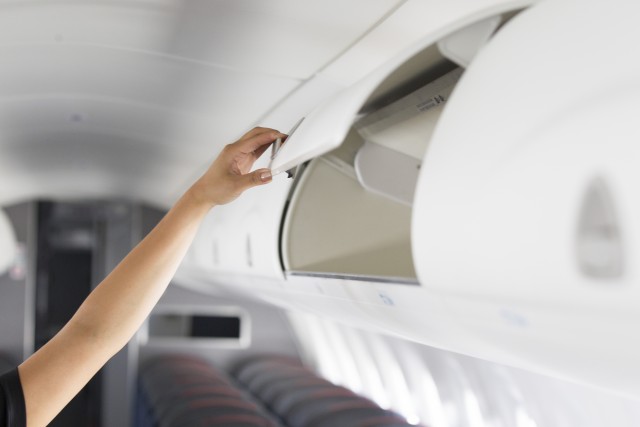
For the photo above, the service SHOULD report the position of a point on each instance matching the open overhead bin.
(357, 159)
(336, 239)
(240, 244)
(346, 241)
(239, 241)
(518, 245)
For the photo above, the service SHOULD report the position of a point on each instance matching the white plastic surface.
(322, 130)
(410, 311)
(387, 172)
(462, 46)
(325, 128)
(406, 125)
(278, 37)
(548, 106)
(408, 25)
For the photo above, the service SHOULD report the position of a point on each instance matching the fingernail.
(265, 176)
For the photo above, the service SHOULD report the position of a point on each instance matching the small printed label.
(430, 103)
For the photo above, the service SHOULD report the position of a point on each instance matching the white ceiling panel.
(178, 113)
(70, 113)
(408, 25)
(282, 37)
(89, 70)
(134, 98)
(146, 25)
(83, 75)
(86, 165)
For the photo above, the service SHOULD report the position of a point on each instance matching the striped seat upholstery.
(264, 391)
(299, 398)
(185, 391)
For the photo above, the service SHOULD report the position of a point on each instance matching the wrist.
(197, 196)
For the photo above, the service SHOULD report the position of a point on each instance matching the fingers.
(256, 130)
(257, 177)
(260, 151)
(257, 138)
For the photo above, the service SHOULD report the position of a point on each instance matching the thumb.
(257, 177)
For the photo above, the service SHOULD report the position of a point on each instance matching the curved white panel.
(407, 26)
(326, 127)
(387, 172)
(60, 106)
(462, 46)
(503, 209)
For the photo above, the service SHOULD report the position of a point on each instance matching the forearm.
(118, 306)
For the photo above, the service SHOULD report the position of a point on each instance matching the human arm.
(114, 311)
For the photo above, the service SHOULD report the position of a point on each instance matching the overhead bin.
(359, 156)
(351, 208)
(243, 238)
(336, 240)
(520, 244)
(483, 259)
(526, 212)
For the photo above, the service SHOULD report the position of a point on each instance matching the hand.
(229, 175)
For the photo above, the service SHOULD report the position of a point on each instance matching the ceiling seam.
(303, 82)
(144, 52)
(363, 35)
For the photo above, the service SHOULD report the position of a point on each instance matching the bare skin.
(115, 310)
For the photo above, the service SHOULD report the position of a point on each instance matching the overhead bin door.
(525, 215)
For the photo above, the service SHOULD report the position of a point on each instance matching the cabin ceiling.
(131, 99)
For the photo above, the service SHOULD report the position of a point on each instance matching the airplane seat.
(262, 381)
(204, 410)
(182, 390)
(278, 391)
(300, 398)
(249, 368)
(266, 391)
(355, 415)
(336, 410)
(291, 403)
